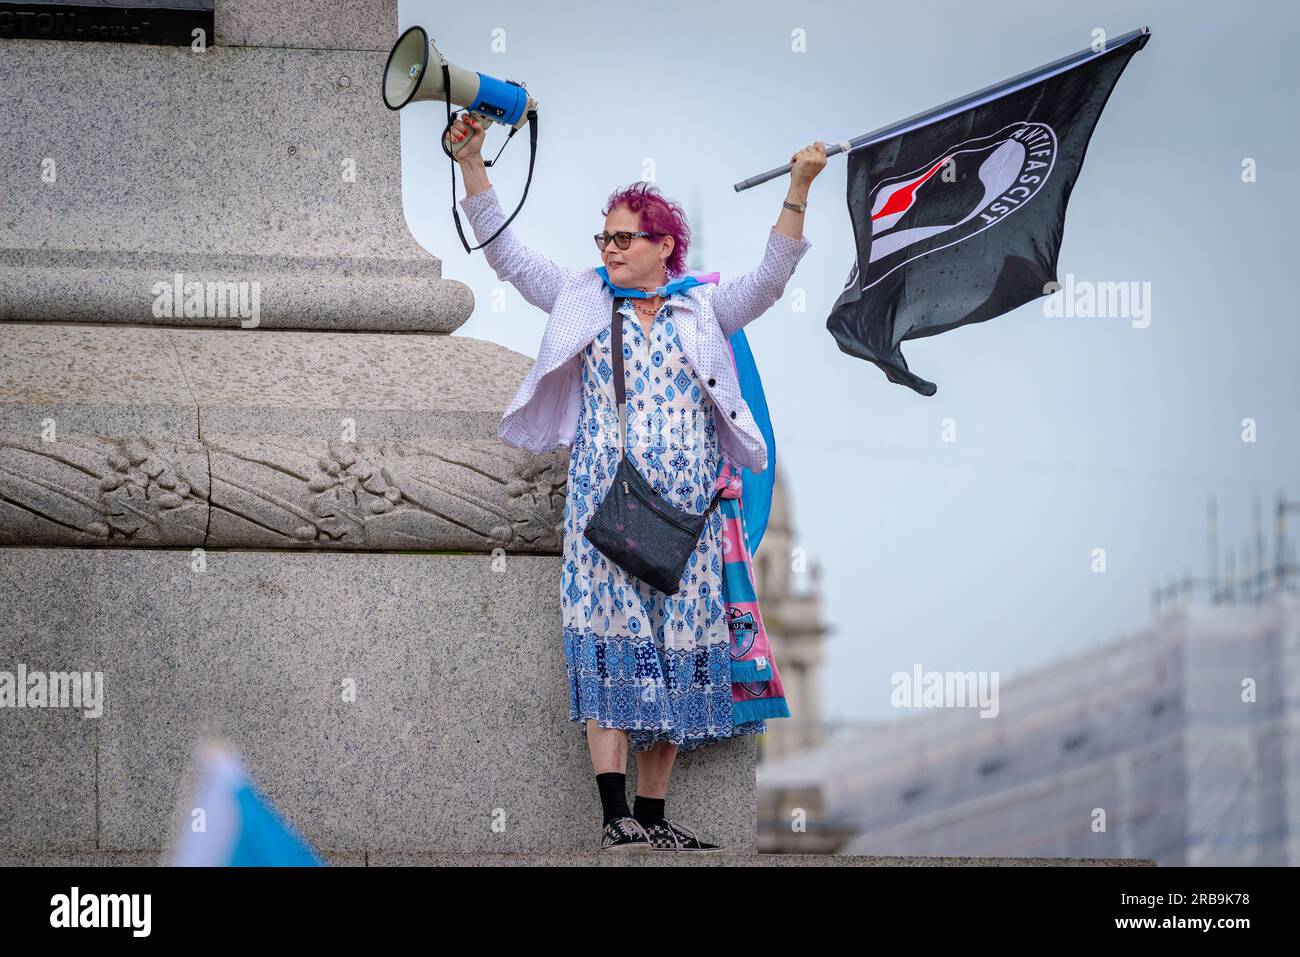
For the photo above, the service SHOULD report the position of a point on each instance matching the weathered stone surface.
(458, 741)
(268, 292)
(472, 496)
(103, 381)
(735, 859)
(262, 382)
(267, 163)
(355, 25)
(189, 437)
(253, 382)
(88, 490)
(234, 151)
(279, 492)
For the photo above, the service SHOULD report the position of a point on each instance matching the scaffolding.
(1223, 584)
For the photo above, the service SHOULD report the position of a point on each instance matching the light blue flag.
(229, 823)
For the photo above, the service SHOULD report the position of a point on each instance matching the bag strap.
(620, 387)
(717, 497)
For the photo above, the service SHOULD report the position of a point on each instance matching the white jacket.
(544, 412)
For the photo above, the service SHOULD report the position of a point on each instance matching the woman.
(646, 669)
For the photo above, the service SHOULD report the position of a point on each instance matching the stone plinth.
(126, 165)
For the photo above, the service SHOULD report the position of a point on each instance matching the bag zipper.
(656, 505)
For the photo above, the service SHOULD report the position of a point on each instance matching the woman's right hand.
(471, 150)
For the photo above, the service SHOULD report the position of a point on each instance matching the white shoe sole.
(688, 850)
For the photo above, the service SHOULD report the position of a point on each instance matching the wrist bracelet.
(797, 207)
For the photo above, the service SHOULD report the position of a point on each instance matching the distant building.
(1178, 744)
(791, 604)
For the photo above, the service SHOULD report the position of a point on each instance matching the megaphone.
(408, 79)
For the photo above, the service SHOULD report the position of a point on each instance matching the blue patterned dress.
(656, 665)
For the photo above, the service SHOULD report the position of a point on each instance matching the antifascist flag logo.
(972, 187)
(960, 220)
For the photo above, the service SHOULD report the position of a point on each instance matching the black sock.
(613, 794)
(648, 810)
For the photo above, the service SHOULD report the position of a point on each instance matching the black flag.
(960, 218)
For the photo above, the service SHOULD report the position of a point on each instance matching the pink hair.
(657, 215)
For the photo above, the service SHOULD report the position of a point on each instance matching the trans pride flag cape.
(756, 691)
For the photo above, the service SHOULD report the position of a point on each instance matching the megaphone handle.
(454, 147)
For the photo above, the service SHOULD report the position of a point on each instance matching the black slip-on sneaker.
(670, 836)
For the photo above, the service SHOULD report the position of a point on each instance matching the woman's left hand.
(808, 162)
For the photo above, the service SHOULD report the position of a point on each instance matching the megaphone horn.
(410, 76)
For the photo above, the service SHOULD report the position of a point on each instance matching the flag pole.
(958, 105)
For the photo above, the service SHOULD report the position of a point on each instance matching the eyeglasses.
(622, 238)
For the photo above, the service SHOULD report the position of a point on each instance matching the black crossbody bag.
(634, 526)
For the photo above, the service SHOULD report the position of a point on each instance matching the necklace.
(646, 318)
(649, 312)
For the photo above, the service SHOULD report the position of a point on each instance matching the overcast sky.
(1072, 433)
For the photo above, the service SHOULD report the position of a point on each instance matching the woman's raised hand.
(471, 150)
(808, 162)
